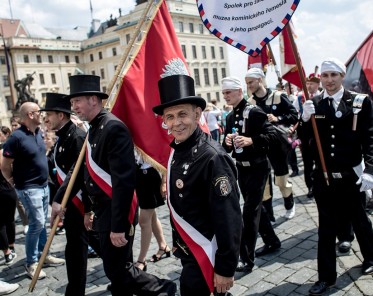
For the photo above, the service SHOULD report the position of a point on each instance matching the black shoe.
(344, 248)
(243, 267)
(368, 270)
(310, 193)
(294, 174)
(320, 287)
(267, 249)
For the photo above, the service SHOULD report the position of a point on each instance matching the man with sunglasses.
(25, 166)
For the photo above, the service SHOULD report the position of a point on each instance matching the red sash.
(77, 199)
(202, 248)
(103, 180)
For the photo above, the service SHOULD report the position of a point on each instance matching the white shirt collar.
(337, 96)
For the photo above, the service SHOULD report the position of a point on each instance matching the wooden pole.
(82, 152)
(304, 86)
(279, 78)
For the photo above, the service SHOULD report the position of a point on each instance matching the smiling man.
(345, 124)
(202, 191)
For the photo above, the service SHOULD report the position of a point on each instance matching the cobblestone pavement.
(290, 271)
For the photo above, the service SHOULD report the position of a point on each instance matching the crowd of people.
(206, 176)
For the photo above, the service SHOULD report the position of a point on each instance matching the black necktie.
(331, 106)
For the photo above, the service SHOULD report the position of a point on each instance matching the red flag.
(260, 61)
(359, 74)
(289, 67)
(160, 51)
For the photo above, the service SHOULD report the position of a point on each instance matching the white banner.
(246, 25)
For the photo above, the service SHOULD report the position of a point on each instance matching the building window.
(215, 74)
(204, 56)
(53, 78)
(77, 60)
(222, 52)
(91, 57)
(2, 60)
(208, 97)
(50, 59)
(41, 78)
(5, 81)
(223, 73)
(26, 59)
(102, 73)
(191, 27)
(68, 75)
(93, 72)
(100, 55)
(104, 89)
(194, 51)
(200, 27)
(128, 38)
(114, 49)
(217, 94)
(38, 59)
(183, 48)
(115, 67)
(213, 52)
(181, 27)
(206, 75)
(196, 77)
(67, 59)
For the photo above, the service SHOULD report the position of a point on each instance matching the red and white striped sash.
(202, 248)
(61, 176)
(103, 180)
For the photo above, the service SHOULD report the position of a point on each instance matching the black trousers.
(292, 159)
(308, 161)
(77, 240)
(252, 181)
(7, 211)
(125, 278)
(331, 200)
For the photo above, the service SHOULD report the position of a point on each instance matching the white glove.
(308, 110)
(366, 181)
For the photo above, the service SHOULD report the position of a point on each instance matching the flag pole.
(313, 121)
(82, 151)
(279, 78)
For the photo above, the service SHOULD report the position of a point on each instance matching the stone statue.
(23, 89)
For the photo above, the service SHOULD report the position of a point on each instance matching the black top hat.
(177, 90)
(85, 85)
(57, 102)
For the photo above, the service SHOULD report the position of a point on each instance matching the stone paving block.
(279, 275)
(284, 288)
(301, 276)
(292, 253)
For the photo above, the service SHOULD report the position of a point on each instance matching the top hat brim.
(57, 109)
(87, 93)
(200, 102)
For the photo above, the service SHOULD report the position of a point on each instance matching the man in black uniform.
(279, 111)
(109, 178)
(345, 124)
(203, 194)
(254, 135)
(63, 157)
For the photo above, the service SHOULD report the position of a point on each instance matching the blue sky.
(324, 28)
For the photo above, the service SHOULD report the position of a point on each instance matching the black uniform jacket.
(343, 148)
(112, 151)
(283, 109)
(66, 152)
(208, 198)
(257, 127)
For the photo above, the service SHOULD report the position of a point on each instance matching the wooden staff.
(303, 80)
(279, 78)
(78, 163)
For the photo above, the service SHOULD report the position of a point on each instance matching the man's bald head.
(26, 108)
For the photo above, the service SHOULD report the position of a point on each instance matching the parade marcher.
(109, 178)
(212, 114)
(345, 125)
(63, 155)
(150, 191)
(312, 83)
(203, 195)
(280, 112)
(25, 165)
(254, 135)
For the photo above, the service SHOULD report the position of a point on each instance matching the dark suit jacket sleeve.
(264, 132)
(122, 167)
(226, 214)
(289, 114)
(365, 124)
(228, 130)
